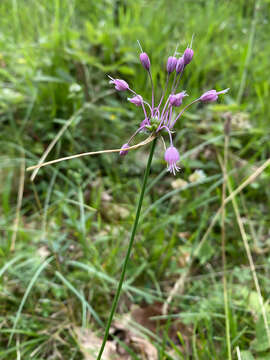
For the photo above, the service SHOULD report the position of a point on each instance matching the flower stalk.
(131, 241)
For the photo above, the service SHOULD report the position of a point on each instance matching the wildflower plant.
(159, 119)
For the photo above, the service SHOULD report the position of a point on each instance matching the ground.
(65, 234)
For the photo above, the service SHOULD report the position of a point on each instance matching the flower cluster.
(160, 117)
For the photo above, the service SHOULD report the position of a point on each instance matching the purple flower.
(137, 100)
(124, 152)
(120, 85)
(160, 115)
(145, 60)
(172, 157)
(212, 95)
(176, 100)
(188, 55)
(180, 64)
(171, 64)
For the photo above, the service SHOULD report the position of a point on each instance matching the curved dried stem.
(146, 141)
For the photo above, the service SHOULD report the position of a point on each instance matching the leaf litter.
(131, 333)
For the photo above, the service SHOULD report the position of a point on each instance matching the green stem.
(119, 288)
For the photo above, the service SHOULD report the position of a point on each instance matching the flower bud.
(212, 95)
(171, 64)
(124, 152)
(176, 100)
(137, 100)
(145, 60)
(188, 55)
(180, 65)
(120, 85)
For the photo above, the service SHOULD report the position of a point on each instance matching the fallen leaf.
(144, 347)
(90, 344)
(131, 336)
(122, 330)
(145, 316)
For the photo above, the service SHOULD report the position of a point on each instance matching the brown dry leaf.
(131, 337)
(144, 347)
(90, 344)
(144, 316)
(125, 330)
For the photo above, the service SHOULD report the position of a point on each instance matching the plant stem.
(119, 288)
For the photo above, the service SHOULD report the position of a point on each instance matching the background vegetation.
(62, 245)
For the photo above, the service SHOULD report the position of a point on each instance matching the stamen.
(185, 108)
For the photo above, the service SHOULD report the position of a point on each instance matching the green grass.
(74, 221)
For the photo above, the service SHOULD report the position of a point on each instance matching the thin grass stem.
(251, 262)
(179, 286)
(19, 204)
